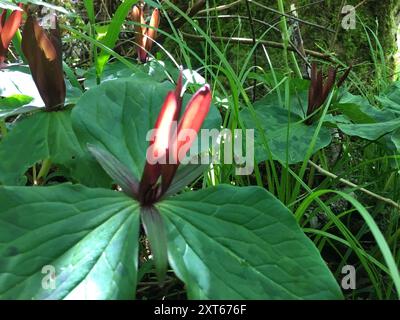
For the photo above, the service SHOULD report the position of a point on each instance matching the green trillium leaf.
(242, 243)
(67, 242)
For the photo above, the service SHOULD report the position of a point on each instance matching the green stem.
(285, 34)
(286, 38)
(44, 170)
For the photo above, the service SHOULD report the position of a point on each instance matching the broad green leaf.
(286, 134)
(111, 71)
(242, 243)
(370, 131)
(46, 135)
(367, 121)
(118, 114)
(89, 237)
(116, 70)
(366, 108)
(390, 99)
(353, 112)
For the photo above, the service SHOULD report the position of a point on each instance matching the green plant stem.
(353, 185)
(44, 170)
(286, 39)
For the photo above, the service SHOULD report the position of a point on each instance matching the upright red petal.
(137, 16)
(192, 120)
(140, 31)
(163, 126)
(344, 77)
(318, 90)
(9, 28)
(327, 87)
(152, 31)
(3, 18)
(158, 147)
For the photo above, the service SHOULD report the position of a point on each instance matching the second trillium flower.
(145, 34)
(43, 51)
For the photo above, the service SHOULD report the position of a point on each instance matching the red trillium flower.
(320, 89)
(169, 144)
(42, 49)
(145, 35)
(8, 27)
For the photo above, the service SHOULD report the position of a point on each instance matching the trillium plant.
(166, 148)
(95, 195)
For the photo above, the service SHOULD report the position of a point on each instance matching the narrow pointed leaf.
(155, 230)
(344, 76)
(184, 176)
(113, 32)
(116, 170)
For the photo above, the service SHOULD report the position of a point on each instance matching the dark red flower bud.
(43, 51)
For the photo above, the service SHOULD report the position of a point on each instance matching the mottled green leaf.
(287, 136)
